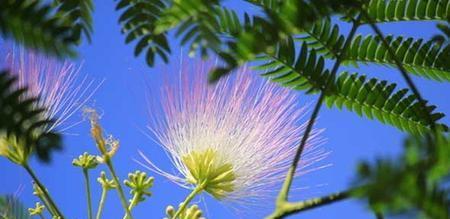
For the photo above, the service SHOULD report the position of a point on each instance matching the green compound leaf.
(377, 99)
(373, 98)
(324, 37)
(408, 10)
(306, 72)
(423, 58)
(138, 20)
(34, 25)
(78, 14)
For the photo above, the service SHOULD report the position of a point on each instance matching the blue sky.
(121, 100)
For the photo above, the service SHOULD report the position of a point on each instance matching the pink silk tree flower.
(57, 83)
(235, 139)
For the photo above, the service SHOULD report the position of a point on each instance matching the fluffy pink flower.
(62, 92)
(240, 133)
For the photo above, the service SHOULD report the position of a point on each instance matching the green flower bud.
(37, 210)
(85, 161)
(170, 211)
(193, 212)
(105, 182)
(139, 183)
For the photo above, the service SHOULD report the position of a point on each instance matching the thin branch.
(283, 195)
(330, 80)
(288, 208)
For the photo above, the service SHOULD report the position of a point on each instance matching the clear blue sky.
(121, 99)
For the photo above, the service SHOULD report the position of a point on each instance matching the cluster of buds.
(107, 184)
(86, 161)
(139, 183)
(37, 210)
(193, 212)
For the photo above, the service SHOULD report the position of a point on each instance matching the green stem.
(46, 204)
(101, 205)
(188, 199)
(88, 192)
(47, 196)
(287, 208)
(123, 200)
(133, 203)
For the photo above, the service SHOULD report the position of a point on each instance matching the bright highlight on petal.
(234, 139)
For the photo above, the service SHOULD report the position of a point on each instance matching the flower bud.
(86, 161)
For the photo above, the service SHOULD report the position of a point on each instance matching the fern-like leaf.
(138, 20)
(444, 37)
(78, 16)
(426, 59)
(324, 37)
(20, 118)
(196, 24)
(306, 72)
(408, 10)
(374, 99)
(377, 99)
(35, 26)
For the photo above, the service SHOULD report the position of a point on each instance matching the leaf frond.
(423, 58)
(408, 10)
(78, 14)
(138, 20)
(377, 99)
(35, 26)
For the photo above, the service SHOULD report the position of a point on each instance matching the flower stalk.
(38, 192)
(123, 200)
(88, 192)
(106, 186)
(45, 194)
(86, 162)
(188, 199)
(101, 204)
